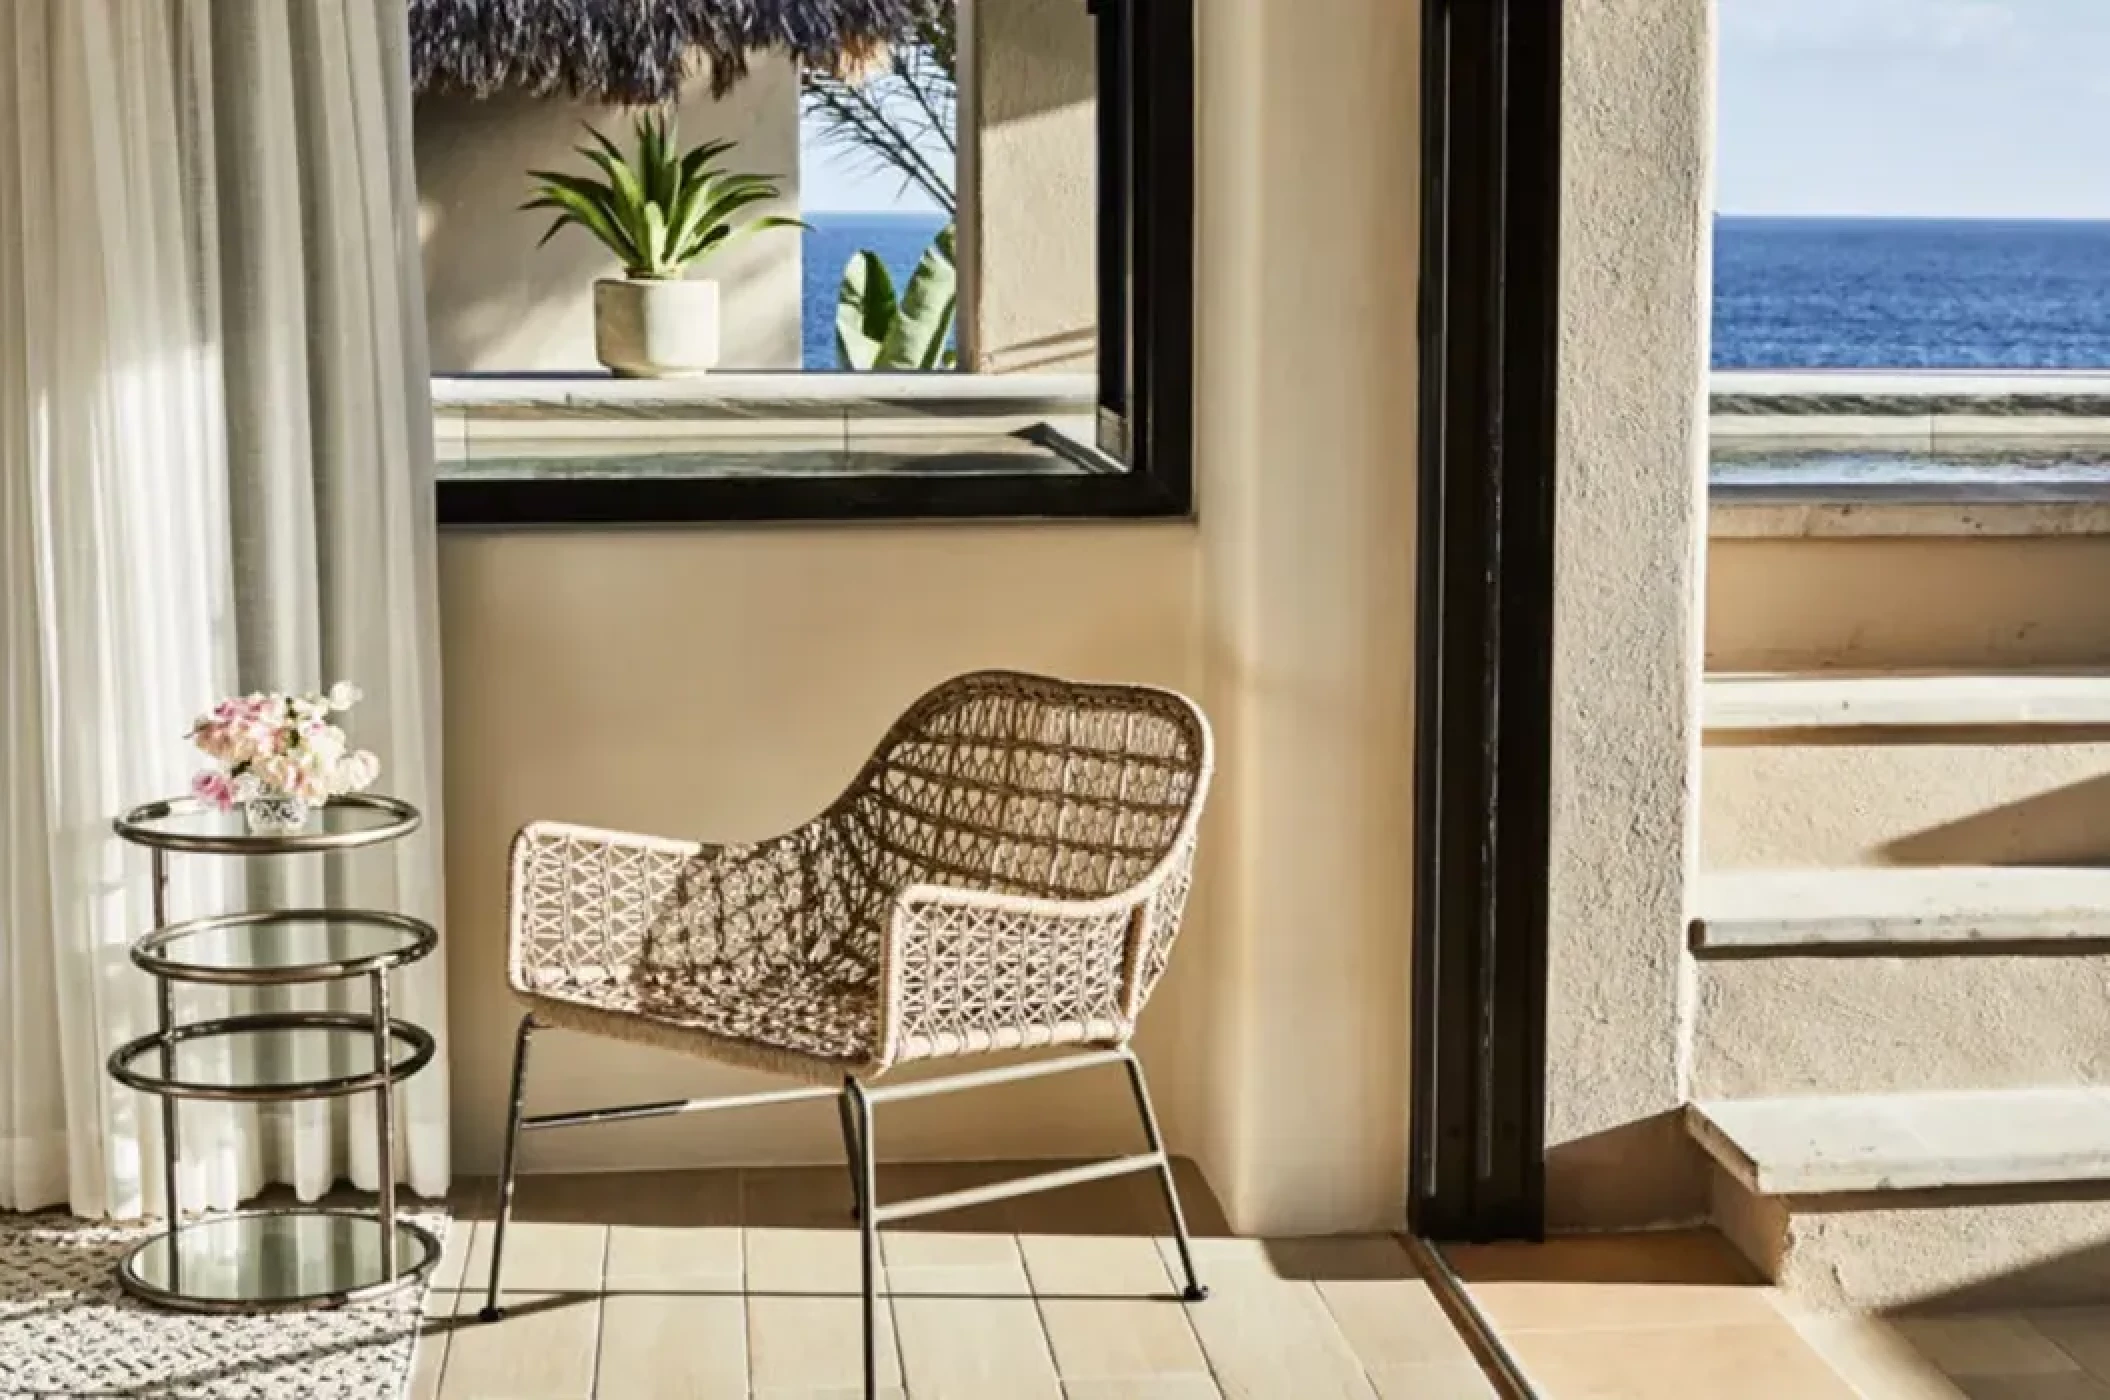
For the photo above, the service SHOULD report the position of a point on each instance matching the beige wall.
(1638, 114)
(494, 301)
(721, 682)
(1028, 234)
(1800, 604)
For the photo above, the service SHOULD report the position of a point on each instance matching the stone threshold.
(1832, 1144)
(1938, 909)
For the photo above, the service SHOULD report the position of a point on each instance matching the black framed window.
(1135, 459)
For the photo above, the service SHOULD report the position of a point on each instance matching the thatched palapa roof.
(639, 51)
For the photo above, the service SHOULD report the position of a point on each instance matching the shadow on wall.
(2067, 826)
(494, 301)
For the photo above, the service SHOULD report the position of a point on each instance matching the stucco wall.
(1028, 229)
(721, 682)
(494, 301)
(1636, 152)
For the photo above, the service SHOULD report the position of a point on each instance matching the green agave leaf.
(629, 194)
(656, 260)
(917, 338)
(697, 163)
(587, 204)
(865, 310)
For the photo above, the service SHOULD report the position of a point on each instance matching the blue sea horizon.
(1895, 293)
(1789, 292)
(833, 238)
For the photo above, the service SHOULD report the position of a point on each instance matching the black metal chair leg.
(857, 1136)
(851, 1155)
(491, 1311)
(1195, 1291)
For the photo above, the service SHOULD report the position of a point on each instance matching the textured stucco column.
(1637, 151)
(1308, 259)
(1028, 235)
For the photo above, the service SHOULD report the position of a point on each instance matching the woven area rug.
(66, 1329)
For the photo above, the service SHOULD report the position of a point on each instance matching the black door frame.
(1489, 330)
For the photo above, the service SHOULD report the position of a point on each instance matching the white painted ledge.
(1938, 908)
(1905, 700)
(1824, 1145)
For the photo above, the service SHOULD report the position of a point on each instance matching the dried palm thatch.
(640, 51)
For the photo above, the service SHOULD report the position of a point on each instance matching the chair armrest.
(965, 971)
(583, 900)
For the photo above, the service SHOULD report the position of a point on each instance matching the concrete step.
(1820, 1144)
(1867, 981)
(1905, 768)
(2065, 698)
(1939, 1198)
(1745, 913)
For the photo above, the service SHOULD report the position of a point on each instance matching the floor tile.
(1095, 1266)
(1991, 1344)
(807, 1344)
(1267, 1337)
(1144, 1388)
(2062, 1385)
(677, 1258)
(1673, 1279)
(2082, 1333)
(1118, 1338)
(672, 1347)
(542, 1350)
(455, 1248)
(1439, 1380)
(541, 1257)
(1871, 1355)
(1115, 1205)
(938, 1262)
(974, 1348)
(428, 1364)
(1757, 1362)
(804, 1260)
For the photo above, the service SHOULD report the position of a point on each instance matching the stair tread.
(1828, 1144)
(2067, 696)
(1913, 905)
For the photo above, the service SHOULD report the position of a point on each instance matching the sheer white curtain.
(215, 473)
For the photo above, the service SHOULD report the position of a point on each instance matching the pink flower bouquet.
(279, 752)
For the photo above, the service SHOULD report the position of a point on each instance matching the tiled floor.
(1679, 1315)
(745, 1284)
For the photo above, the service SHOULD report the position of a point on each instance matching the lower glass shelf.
(261, 1260)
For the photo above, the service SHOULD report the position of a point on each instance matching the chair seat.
(792, 1022)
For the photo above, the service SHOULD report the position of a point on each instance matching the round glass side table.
(306, 1257)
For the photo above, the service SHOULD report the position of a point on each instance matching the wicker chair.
(1006, 873)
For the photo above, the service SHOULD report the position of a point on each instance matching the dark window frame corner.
(1146, 300)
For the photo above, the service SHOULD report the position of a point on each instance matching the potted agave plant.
(661, 212)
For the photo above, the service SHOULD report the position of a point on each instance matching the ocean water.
(1911, 294)
(830, 243)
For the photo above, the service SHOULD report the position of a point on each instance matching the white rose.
(344, 695)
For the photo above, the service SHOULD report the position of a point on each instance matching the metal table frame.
(151, 953)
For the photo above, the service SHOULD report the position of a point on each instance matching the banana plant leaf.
(923, 327)
(865, 311)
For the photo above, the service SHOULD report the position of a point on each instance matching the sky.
(1952, 108)
(831, 181)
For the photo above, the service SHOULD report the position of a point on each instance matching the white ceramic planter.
(655, 330)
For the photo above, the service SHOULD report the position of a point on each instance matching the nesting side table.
(261, 1260)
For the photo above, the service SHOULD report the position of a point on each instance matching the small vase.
(275, 814)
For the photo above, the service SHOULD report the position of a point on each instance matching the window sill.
(594, 450)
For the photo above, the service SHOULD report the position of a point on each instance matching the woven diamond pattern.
(1008, 870)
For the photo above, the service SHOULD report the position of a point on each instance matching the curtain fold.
(215, 474)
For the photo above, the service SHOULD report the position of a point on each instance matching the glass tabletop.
(271, 1056)
(186, 824)
(275, 1259)
(284, 946)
